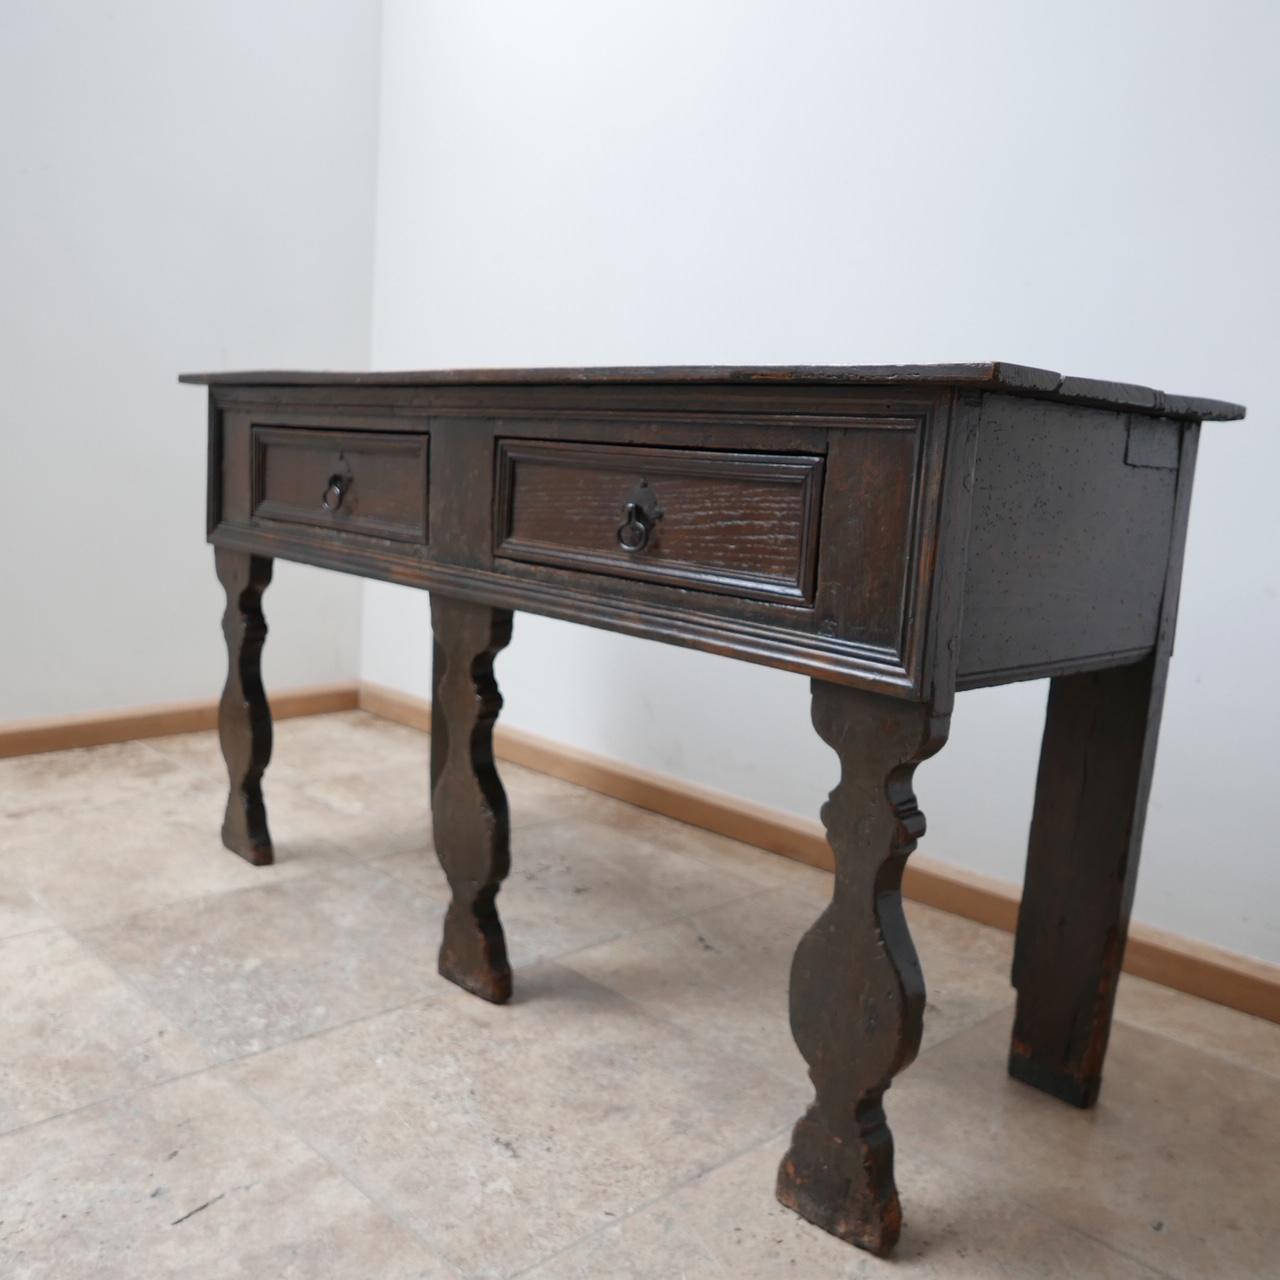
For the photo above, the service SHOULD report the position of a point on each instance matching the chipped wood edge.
(64, 733)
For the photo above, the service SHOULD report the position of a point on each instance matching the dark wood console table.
(895, 533)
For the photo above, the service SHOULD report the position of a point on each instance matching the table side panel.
(1072, 522)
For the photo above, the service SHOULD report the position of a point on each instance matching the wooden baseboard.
(391, 704)
(1184, 964)
(1252, 986)
(62, 733)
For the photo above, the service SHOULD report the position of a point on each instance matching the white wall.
(1090, 187)
(193, 186)
(183, 186)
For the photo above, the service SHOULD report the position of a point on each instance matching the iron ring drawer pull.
(634, 531)
(332, 497)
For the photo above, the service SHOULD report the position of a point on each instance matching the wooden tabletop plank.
(993, 376)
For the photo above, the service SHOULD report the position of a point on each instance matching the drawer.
(744, 524)
(373, 484)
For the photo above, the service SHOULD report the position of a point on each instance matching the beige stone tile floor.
(209, 1069)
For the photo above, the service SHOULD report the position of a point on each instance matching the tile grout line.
(538, 823)
(667, 1022)
(646, 1014)
(819, 907)
(191, 773)
(82, 936)
(204, 1045)
(1113, 1248)
(425, 997)
(340, 1170)
(964, 1166)
(78, 930)
(655, 925)
(1227, 1013)
(1214, 1054)
(687, 916)
(685, 1032)
(31, 933)
(82, 939)
(772, 1136)
(221, 1065)
(225, 1066)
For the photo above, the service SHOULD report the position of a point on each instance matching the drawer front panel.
(743, 524)
(372, 484)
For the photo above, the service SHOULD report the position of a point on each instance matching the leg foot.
(845, 1188)
(244, 719)
(468, 804)
(857, 993)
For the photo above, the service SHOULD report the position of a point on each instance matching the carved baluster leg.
(469, 807)
(1096, 763)
(244, 719)
(857, 993)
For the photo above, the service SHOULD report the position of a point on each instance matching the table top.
(990, 376)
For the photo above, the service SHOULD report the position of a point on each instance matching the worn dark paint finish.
(1081, 872)
(362, 483)
(737, 523)
(971, 524)
(1096, 765)
(244, 718)
(857, 993)
(996, 375)
(850, 606)
(1068, 543)
(874, 518)
(627, 407)
(468, 804)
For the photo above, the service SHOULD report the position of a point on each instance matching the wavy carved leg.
(469, 807)
(244, 719)
(1096, 763)
(857, 993)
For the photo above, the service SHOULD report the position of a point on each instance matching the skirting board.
(62, 733)
(1199, 969)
